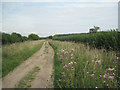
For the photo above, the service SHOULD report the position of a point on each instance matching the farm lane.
(44, 79)
(42, 59)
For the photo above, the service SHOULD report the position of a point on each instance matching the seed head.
(92, 75)
(111, 77)
(117, 58)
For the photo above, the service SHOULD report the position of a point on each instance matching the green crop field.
(105, 39)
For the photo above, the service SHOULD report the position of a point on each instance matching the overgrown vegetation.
(105, 39)
(14, 54)
(78, 66)
(25, 82)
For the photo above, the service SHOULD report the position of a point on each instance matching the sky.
(50, 17)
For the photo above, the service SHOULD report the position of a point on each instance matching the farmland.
(61, 44)
(105, 39)
(75, 61)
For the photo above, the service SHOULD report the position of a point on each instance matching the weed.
(25, 82)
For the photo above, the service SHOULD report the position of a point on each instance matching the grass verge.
(79, 66)
(14, 54)
(56, 66)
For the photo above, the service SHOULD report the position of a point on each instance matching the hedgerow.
(12, 38)
(16, 37)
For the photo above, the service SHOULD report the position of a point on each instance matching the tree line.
(16, 37)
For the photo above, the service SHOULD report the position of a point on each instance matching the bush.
(16, 37)
(33, 37)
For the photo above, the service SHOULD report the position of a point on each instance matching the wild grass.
(25, 82)
(14, 54)
(79, 66)
(46, 48)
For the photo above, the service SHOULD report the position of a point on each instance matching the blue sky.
(49, 18)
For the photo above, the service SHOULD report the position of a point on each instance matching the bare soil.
(42, 59)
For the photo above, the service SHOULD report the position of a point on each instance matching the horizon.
(56, 33)
(50, 18)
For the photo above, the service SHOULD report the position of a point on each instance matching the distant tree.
(94, 30)
(24, 38)
(50, 37)
(33, 37)
(16, 37)
(12, 38)
(91, 30)
(6, 38)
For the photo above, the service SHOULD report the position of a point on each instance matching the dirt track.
(42, 59)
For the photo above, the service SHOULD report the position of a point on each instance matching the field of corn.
(78, 66)
(14, 54)
(106, 39)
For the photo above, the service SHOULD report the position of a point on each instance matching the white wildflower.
(105, 76)
(104, 81)
(92, 60)
(73, 49)
(59, 80)
(87, 72)
(71, 55)
(65, 66)
(95, 57)
(71, 63)
(117, 58)
(110, 69)
(62, 50)
(92, 75)
(72, 68)
(74, 62)
(66, 52)
(111, 77)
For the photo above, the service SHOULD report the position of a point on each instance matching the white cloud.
(64, 18)
(60, 0)
(0, 17)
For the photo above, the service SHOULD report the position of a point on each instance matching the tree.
(50, 37)
(24, 38)
(94, 30)
(16, 37)
(6, 38)
(33, 37)
(12, 38)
